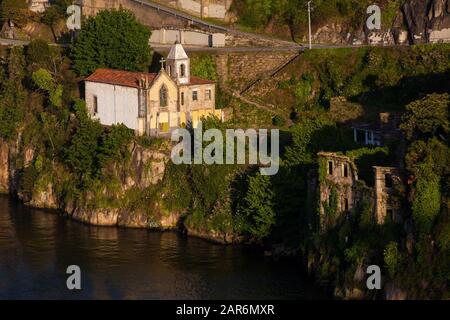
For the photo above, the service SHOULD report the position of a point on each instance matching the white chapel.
(152, 104)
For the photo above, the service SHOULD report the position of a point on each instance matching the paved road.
(9, 42)
(166, 47)
(207, 24)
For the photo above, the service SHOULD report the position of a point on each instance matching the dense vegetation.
(40, 110)
(102, 40)
(291, 16)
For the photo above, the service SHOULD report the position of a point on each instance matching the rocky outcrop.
(97, 217)
(4, 167)
(392, 292)
(415, 15)
(418, 21)
(427, 20)
(439, 25)
(44, 199)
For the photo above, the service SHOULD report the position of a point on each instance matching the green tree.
(45, 81)
(12, 94)
(427, 117)
(81, 153)
(426, 203)
(256, 215)
(51, 17)
(392, 258)
(111, 39)
(38, 53)
(114, 144)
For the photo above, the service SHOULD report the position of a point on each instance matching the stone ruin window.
(390, 214)
(330, 168)
(388, 181)
(345, 169)
(346, 204)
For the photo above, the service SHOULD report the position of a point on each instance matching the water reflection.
(36, 247)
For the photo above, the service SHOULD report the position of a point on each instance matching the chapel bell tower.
(178, 64)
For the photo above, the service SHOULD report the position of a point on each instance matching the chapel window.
(182, 70)
(163, 97)
(95, 106)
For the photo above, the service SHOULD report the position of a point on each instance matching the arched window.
(182, 70)
(163, 97)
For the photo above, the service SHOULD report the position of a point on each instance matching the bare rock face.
(96, 217)
(329, 34)
(394, 293)
(147, 168)
(170, 220)
(4, 167)
(439, 21)
(45, 199)
(28, 156)
(415, 13)
(137, 219)
(427, 20)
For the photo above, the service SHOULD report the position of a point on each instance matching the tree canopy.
(111, 39)
(16, 10)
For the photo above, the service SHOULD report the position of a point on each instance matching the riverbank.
(124, 263)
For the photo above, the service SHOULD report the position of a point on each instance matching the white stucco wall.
(440, 35)
(116, 104)
(188, 37)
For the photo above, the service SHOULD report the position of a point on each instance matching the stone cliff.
(416, 21)
(146, 168)
(128, 198)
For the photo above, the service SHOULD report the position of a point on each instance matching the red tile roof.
(120, 77)
(131, 79)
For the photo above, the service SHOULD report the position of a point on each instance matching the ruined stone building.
(386, 128)
(38, 5)
(8, 30)
(340, 190)
(387, 203)
(339, 175)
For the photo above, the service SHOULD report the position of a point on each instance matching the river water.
(36, 247)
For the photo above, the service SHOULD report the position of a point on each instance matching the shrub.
(278, 121)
